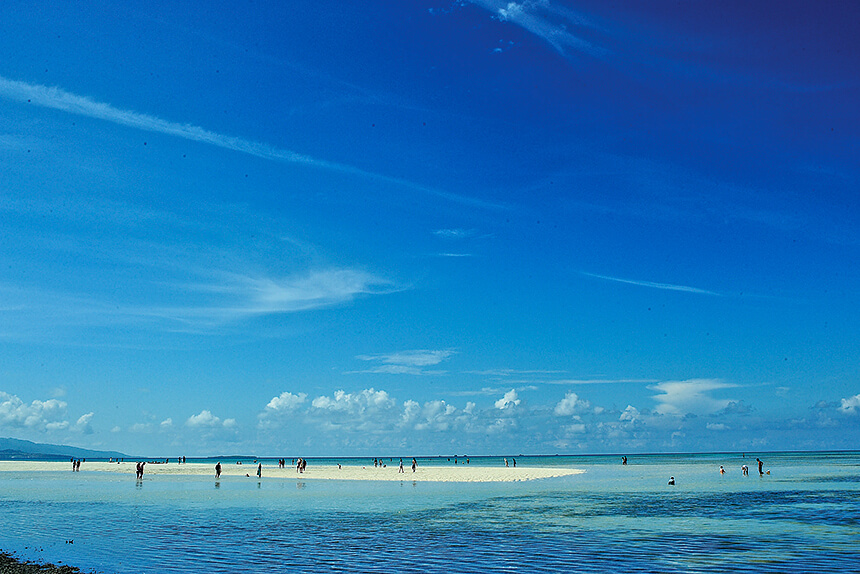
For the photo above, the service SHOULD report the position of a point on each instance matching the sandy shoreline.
(459, 473)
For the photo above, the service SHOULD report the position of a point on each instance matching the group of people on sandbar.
(745, 470)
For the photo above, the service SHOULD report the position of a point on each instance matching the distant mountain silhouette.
(17, 449)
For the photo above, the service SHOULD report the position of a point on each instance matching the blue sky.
(311, 228)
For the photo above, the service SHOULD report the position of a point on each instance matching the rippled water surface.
(803, 517)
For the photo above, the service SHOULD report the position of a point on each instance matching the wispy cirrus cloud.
(599, 381)
(217, 300)
(454, 233)
(319, 288)
(238, 296)
(512, 372)
(654, 285)
(490, 391)
(407, 362)
(553, 24)
(59, 99)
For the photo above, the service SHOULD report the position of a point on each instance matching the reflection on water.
(611, 519)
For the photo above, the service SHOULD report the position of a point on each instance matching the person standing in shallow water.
(760, 463)
(218, 470)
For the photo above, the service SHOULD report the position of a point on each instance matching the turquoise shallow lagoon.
(802, 517)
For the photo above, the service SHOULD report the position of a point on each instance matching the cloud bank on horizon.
(372, 420)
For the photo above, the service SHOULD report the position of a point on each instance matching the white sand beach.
(459, 473)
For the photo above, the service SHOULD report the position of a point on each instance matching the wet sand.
(459, 473)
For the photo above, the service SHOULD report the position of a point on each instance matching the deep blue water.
(803, 517)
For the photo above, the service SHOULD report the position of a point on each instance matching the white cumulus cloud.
(207, 420)
(38, 415)
(509, 401)
(570, 405)
(83, 425)
(434, 415)
(630, 414)
(286, 401)
(690, 397)
(851, 405)
(368, 399)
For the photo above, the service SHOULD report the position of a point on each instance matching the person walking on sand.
(218, 470)
(260, 470)
(401, 466)
(414, 464)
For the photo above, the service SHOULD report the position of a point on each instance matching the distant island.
(17, 449)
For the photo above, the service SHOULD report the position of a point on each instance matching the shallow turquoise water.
(803, 517)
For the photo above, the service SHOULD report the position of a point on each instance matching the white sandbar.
(459, 473)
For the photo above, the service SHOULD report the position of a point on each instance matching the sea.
(802, 515)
